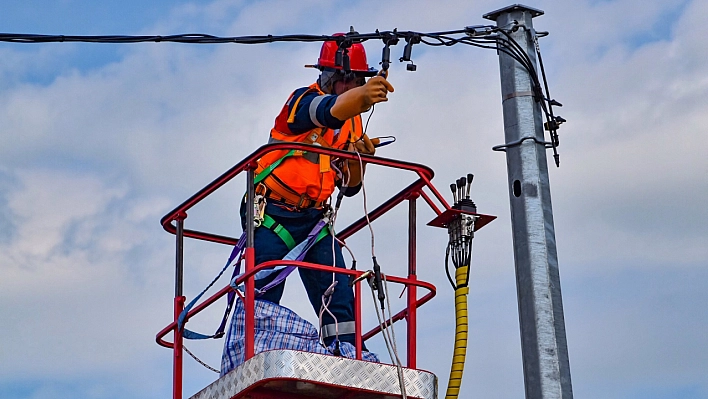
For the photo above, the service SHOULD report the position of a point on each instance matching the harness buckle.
(327, 215)
(303, 200)
(259, 203)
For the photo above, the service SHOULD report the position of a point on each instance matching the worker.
(298, 188)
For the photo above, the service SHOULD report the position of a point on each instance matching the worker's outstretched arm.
(359, 99)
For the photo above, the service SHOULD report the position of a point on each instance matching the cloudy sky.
(98, 141)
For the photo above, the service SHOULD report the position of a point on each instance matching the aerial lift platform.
(526, 101)
(289, 374)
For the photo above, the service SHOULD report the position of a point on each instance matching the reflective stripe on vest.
(305, 173)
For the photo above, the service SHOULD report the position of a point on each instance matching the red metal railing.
(356, 273)
(173, 222)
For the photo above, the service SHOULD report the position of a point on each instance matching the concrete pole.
(543, 340)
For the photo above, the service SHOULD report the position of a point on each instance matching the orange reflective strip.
(291, 117)
(325, 163)
(313, 87)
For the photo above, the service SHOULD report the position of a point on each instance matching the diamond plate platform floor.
(288, 374)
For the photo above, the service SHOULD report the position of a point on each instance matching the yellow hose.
(458, 358)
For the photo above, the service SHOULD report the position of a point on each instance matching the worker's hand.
(376, 90)
(359, 99)
(365, 146)
(353, 167)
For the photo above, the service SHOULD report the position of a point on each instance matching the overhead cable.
(482, 36)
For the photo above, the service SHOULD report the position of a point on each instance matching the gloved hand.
(359, 99)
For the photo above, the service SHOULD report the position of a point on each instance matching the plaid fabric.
(277, 327)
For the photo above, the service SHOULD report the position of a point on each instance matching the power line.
(483, 36)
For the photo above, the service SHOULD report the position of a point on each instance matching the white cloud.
(76, 298)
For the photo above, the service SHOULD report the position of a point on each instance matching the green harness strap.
(269, 222)
(277, 228)
(265, 172)
(323, 233)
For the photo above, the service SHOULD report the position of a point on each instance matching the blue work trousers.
(269, 246)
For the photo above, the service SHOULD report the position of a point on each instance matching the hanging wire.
(381, 320)
(366, 211)
(392, 337)
(199, 360)
(388, 333)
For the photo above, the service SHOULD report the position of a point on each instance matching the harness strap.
(283, 191)
(277, 228)
(281, 232)
(298, 253)
(265, 172)
(313, 139)
(277, 191)
(188, 334)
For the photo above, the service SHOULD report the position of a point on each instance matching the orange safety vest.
(305, 179)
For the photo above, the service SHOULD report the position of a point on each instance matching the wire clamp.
(504, 147)
(363, 276)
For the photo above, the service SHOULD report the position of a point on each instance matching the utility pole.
(543, 341)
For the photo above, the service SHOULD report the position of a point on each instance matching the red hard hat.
(357, 57)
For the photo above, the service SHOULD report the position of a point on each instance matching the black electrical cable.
(495, 38)
(367, 121)
(506, 50)
(447, 267)
(469, 262)
(545, 99)
(550, 119)
(442, 38)
(521, 56)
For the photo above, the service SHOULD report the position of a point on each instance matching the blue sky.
(98, 141)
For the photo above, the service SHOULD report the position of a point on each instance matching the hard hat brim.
(368, 73)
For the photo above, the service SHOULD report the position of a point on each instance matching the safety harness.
(306, 179)
(296, 252)
(287, 195)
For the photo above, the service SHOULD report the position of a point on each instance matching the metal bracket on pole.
(543, 339)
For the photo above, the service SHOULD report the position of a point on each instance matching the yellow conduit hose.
(458, 358)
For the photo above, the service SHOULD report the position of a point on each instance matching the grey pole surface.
(543, 341)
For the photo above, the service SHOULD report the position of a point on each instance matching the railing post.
(358, 342)
(178, 307)
(412, 289)
(543, 340)
(250, 264)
